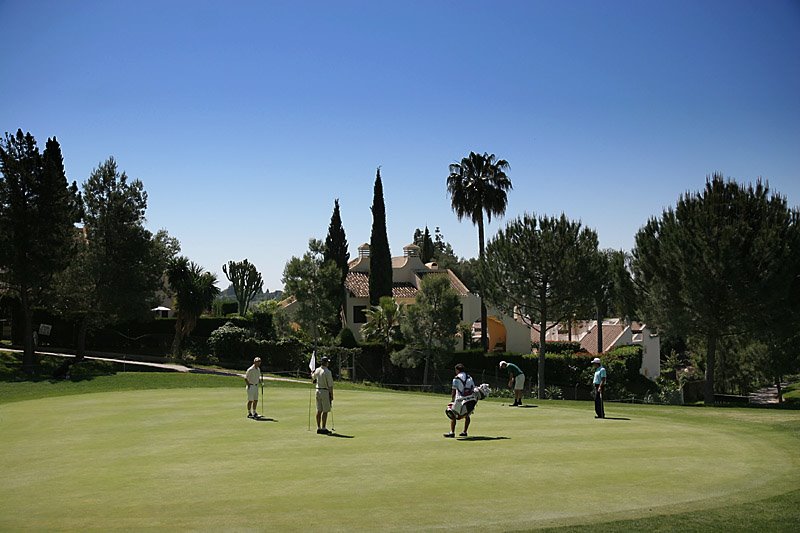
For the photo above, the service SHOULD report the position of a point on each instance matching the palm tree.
(478, 185)
(383, 325)
(194, 291)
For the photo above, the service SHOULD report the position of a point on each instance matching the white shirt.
(324, 378)
(253, 375)
(461, 381)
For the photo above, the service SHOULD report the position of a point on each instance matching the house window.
(359, 314)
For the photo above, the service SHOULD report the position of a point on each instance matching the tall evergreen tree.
(427, 250)
(120, 264)
(535, 268)
(380, 258)
(336, 252)
(336, 242)
(719, 264)
(38, 212)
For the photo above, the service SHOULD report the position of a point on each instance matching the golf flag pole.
(312, 365)
(263, 401)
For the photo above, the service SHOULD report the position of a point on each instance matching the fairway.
(189, 459)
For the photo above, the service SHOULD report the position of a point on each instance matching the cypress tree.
(380, 269)
(336, 252)
(336, 242)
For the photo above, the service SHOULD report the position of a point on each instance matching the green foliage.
(336, 242)
(383, 322)
(229, 342)
(477, 185)
(429, 326)
(555, 253)
(118, 267)
(194, 290)
(560, 346)
(246, 281)
(346, 339)
(425, 243)
(720, 263)
(380, 257)
(315, 284)
(224, 307)
(38, 210)
(552, 392)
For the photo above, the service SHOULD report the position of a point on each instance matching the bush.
(346, 339)
(228, 342)
(553, 393)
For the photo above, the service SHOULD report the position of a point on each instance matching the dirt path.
(169, 367)
(767, 395)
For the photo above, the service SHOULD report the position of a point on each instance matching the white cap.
(502, 364)
(596, 360)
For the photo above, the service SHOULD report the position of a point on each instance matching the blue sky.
(246, 119)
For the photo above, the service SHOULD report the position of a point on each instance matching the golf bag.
(464, 406)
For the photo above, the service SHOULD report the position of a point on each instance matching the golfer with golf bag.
(252, 378)
(465, 396)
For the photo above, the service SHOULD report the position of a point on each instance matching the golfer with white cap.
(252, 378)
(516, 379)
(599, 383)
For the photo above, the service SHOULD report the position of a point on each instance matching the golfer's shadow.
(264, 419)
(339, 435)
(481, 437)
(614, 418)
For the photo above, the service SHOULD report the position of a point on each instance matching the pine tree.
(38, 211)
(535, 268)
(380, 269)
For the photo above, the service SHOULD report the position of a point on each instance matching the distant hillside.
(229, 294)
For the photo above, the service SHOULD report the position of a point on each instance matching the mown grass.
(174, 451)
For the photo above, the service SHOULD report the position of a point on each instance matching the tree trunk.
(82, 329)
(425, 374)
(599, 332)
(484, 318)
(176, 342)
(540, 376)
(778, 385)
(711, 354)
(29, 353)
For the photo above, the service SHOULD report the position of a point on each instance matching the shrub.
(553, 393)
(346, 339)
(228, 342)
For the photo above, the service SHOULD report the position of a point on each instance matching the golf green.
(189, 459)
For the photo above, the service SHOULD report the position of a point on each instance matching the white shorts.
(519, 382)
(323, 401)
(252, 393)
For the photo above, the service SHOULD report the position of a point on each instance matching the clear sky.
(246, 119)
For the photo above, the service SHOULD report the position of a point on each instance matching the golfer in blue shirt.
(599, 383)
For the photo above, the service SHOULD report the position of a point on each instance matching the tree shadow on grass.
(482, 437)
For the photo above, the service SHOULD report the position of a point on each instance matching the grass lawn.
(171, 451)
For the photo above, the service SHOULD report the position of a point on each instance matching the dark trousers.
(598, 403)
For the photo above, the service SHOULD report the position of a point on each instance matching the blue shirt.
(599, 374)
